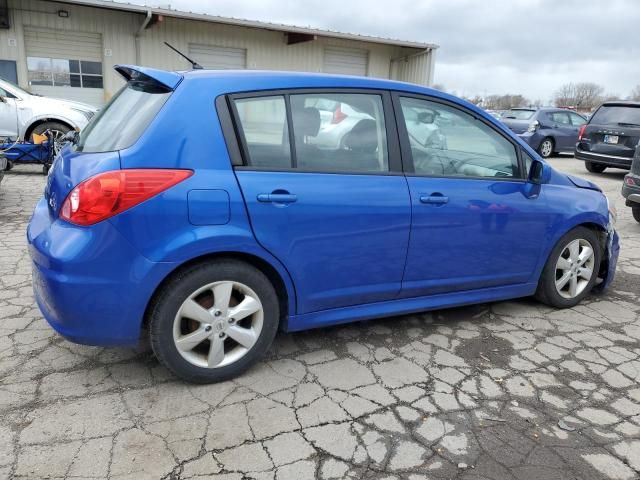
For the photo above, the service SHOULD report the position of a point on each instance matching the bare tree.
(635, 93)
(565, 96)
(504, 102)
(582, 96)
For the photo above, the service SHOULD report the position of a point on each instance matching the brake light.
(110, 193)
(581, 131)
(338, 115)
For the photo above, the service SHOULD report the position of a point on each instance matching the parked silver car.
(22, 114)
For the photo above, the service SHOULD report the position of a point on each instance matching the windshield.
(123, 120)
(616, 115)
(519, 114)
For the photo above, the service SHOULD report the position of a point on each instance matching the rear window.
(617, 115)
(124, 118)
(519, 114)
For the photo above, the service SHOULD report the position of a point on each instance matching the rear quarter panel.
(187, 134)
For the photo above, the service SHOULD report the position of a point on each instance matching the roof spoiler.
(166, 79)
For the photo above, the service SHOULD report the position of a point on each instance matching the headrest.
(307, 122)
(363, 137)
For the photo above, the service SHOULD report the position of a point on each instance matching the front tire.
(636, 213)
(57, 129)
(594, 167)
(545, 149)
(571, 270)
(214, 320)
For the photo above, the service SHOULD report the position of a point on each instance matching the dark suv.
(610, 137)
(631, 186)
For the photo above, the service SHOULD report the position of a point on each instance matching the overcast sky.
(486, 46)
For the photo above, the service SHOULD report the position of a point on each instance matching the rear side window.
(617, 115)
(330, 132)
(124, 118)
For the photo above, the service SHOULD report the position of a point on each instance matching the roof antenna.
(195, 65)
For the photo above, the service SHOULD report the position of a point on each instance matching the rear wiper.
(625, 124)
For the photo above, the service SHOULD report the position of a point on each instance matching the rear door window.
(121, 122)
(327, 132)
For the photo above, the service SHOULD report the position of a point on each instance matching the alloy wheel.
(218, 324)
(574, 268)
(546, 148)
(57, 140)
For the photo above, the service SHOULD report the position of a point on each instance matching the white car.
(22, 114)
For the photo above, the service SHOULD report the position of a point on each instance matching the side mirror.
(3, 100)
(539, 172)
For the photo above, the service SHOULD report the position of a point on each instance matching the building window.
(60, 72)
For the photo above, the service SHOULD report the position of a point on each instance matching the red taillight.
(107, 194)
(338, 115)
(630, 181)
(581, 131)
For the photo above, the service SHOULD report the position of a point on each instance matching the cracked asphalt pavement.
(509, 390)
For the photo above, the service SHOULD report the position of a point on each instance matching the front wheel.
(571, 270)
(546, 148)
(58, 131)
(636, 213)
(214, 320)
(594, 167)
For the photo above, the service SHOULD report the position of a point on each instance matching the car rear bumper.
(91, 285)
(608, 272)
(603, 159)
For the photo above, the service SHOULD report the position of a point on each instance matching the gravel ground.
(510, 390)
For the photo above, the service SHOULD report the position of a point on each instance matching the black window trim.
(405, 147)
(237, 147)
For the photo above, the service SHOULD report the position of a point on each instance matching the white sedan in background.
(22, 114)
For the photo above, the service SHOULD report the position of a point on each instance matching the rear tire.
(636, 213)
(565, 279)
(220, 294)
(545, 149)
(594, 167)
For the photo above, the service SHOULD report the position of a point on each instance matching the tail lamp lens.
(338, 115)
(581, 131)
(107, 194)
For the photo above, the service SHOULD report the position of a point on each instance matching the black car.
(3, 166)
(610, 137)
(631, 186)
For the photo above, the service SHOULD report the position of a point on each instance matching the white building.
(67, 48)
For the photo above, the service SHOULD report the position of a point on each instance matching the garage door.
(345, 61)
(218, 58)
(65, 64)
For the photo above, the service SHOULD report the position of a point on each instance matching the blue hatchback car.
(546, 130)
(201, 207)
